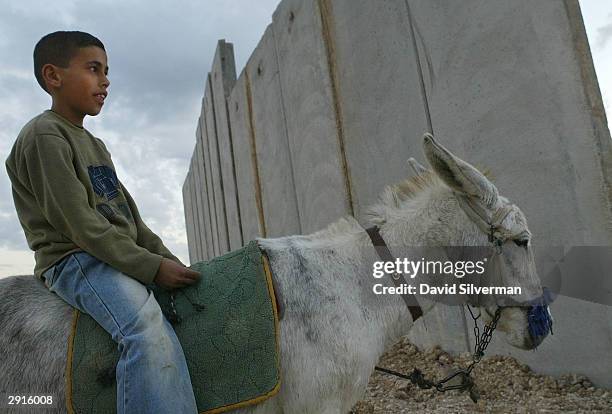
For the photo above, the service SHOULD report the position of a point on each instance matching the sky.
(158, 55)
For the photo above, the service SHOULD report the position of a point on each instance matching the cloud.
(159, 54)
(604, 34)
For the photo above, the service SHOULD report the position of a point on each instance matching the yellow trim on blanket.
(75, 319)
(273, 391)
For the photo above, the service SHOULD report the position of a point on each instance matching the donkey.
(333, 330)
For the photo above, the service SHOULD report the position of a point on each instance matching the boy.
(91, 246)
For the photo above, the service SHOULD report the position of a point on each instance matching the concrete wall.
(337, 95)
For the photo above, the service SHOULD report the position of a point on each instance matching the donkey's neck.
(333, 267)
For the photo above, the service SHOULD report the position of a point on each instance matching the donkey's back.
(35, 325)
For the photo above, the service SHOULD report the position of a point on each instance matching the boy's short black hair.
(58, 48)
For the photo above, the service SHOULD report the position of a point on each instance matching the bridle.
(497, 236)
(491, 226)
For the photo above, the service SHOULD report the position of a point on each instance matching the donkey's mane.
(394, 196)
(390, 200)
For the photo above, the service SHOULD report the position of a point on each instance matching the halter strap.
(398, 279)
(489, 225)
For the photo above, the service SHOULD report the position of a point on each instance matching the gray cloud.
(604, 34)
(159, 54)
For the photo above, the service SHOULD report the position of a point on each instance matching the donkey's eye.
(522, 242)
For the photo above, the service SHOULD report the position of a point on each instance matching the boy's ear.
(52, 76)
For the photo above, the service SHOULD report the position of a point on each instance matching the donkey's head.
(457, 205)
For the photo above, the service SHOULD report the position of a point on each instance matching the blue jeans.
(152, 375)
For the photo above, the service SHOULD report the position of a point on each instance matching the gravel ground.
(505, 385)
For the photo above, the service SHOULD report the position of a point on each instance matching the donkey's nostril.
(532, 342)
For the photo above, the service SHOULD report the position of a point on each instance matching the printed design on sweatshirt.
(106, 210)
(109, 212)
(125, 210)
(104, 181)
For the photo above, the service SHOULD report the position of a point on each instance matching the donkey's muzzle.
(539, 319)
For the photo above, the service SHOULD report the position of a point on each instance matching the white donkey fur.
(331, 336)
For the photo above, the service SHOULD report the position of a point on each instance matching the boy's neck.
(62, 110)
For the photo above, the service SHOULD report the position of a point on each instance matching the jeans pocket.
(49, 276)
(52, 273)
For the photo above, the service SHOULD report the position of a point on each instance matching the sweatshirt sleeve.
(63, 199)
(146, 237)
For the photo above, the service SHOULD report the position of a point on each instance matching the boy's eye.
(93, 68)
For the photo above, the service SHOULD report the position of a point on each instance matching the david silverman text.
(464, 289)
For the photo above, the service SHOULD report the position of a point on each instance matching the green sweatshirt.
(68, 198)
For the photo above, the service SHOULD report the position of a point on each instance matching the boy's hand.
(172, 275)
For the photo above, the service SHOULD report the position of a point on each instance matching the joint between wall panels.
(205, 200)
(223, 66)
(198, 207)
(417, 56)
(231, 144)
(325, 11)
(222, 191)
(254, 161)
(430, 128)
(194, 212)
(226, 93)
(188, 219)
(200, 198)
(211, 193)
(198, 236)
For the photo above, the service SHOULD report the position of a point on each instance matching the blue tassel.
(538, 316)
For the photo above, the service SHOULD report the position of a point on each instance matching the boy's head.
(72, 68)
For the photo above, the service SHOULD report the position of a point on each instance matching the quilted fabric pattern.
(231, 344)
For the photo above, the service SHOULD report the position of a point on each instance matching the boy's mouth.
(100, 97)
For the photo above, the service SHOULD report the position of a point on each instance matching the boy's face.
(80, 89)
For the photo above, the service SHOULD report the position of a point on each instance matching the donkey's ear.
(416, 166)
(458, 174)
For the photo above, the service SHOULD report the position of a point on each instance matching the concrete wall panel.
(310, 114)
(196, 207)
(270, 133)
(202, 197)
(222, 245)
(194, 215)
(246, 174)
(201, 209)
(505, 90)
(223, 78)
(382, 111)
(383, 121)
(212, 206)
(188, 216)
(508, 88)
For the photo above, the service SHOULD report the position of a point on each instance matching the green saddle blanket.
(228, 330)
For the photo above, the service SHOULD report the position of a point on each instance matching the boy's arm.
(63, 200)
(146, 237)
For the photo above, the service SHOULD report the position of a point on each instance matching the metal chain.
(467, 383)
(482, 341)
